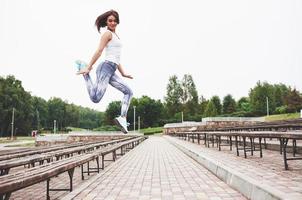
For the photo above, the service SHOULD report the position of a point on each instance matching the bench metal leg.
(122, 150)
(98, 164)
(114, 155)
(213, 140)
(198, 138)
(236, 144)
(219, 142)
(281, 143)
(70, 173)
(284, 145)
(4, 172)
(294, 147)
(82, 172)
(5, 196)
(244, 146)
(103, 162)
(260, 146)
(252, 145)
(47, 189)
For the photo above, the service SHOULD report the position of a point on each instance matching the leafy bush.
(107, 128)
(151, 131)
(281, 110)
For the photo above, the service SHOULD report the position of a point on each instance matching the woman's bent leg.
(119, 84)
(96, 91)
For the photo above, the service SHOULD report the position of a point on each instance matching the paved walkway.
(257, 178)
(155, 169)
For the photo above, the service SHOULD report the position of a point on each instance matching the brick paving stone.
(268, 170)
(156, 170)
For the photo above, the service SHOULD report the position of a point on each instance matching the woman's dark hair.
(102, 19)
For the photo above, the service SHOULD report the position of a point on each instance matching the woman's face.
(111, 22)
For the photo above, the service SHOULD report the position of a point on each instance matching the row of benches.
(240, 140)
(39, 150)
(279, 125)
(49, 154)
(21, 179)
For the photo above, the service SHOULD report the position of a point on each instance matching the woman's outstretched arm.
(121, 70)
(103, 42)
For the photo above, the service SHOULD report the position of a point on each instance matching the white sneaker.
(122, 123)
(80, 64)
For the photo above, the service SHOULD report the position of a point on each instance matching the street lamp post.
(38, 120)
(13, 119)
(139, 123)
(267, 109)
(54, 126)
(134, 118)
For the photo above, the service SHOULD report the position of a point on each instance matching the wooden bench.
(21, 179)
(124, 146)
(6, 165)
(47, 149)
(38, 151)
(215, 136)
(111, 150)
(16, 181)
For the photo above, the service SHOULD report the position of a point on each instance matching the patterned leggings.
(105, 74)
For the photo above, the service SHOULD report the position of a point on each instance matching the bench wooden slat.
(7, 164)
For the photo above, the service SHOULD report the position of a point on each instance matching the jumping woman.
(105, 72)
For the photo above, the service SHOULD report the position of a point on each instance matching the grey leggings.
(105, 74)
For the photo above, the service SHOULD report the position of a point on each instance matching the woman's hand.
(127, 76)
(84, 71)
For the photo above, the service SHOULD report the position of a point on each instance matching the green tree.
(40, 109)
(72, 115)
(56, 111)
(189, 95)
(293, 101)
(149, 110)
(203, 105)
(13, 95)
(258, 95)
(243, 104)
(217, 104)
(210, 110)
(228, 105)
(173, 96)
(113, 110)
(90, 119)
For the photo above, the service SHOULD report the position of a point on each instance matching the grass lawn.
(152, 131)
(282, 116)
(19, 138)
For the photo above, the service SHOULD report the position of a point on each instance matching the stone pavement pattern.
(155, 170)
(268, 171)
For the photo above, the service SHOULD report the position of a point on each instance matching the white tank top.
(113, 49)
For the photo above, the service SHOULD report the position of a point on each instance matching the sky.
(227, 46)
